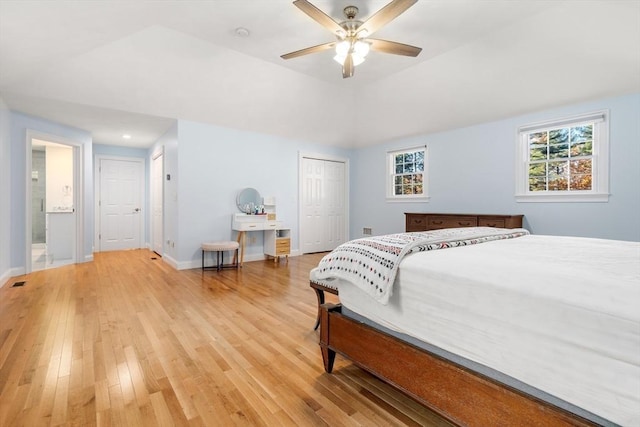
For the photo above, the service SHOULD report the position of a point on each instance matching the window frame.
(599, 167)
(390, 172)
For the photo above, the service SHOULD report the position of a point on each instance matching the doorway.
(323, 203)
(119, 196)
(53, 230)
(157, 202)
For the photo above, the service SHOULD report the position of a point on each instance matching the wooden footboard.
(456, 393)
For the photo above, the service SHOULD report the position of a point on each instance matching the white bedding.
(561, 314)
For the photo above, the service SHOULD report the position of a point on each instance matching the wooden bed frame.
(458, 394)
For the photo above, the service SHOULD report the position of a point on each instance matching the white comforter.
(559, 313)
(371, 263)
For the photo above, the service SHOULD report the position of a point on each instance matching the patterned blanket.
(372, 263)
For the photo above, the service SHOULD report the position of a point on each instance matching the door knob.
(136, 210)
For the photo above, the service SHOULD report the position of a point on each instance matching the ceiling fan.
(353, 42)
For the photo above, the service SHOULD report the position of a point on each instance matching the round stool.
(219, 248)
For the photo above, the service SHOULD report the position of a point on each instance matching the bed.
(492, 326)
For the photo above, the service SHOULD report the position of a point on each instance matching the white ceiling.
(114, 67)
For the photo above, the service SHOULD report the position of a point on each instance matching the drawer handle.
(437, 222)
(417, 221)
(464, 223)
(493, 224)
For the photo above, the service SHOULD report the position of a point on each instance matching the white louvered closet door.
(323, 207)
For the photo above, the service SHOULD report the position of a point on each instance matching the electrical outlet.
(366, 231)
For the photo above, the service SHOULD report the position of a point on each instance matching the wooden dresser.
(434, 221)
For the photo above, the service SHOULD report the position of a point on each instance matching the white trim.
(600, 156)
(158, 152)
(595, 117)
(12, 272)
(172, 262)
(408, 199)
(563, 197)
(197, 263)
(78, 193)
(390, 172)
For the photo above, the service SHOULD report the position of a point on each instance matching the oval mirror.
(248, 199)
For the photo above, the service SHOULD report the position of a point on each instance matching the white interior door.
(334, 204)
(323, 206)
(120, 204)
(157, 174)
(311, 225)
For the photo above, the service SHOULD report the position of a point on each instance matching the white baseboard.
(12, 272)
(172, 262)
(197, 263)
(4, 278)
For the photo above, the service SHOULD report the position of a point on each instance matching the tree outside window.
(561, 159)
(407, 174)
(564, 160)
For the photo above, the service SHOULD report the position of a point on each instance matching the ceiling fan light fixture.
(342, 48)
(357, 59)
(352, 44)
(361, 48)
(358, 51)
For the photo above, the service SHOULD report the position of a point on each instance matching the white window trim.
(390, 166)
(600, 171)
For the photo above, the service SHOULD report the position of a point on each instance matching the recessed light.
(126, 136)
(242, 32)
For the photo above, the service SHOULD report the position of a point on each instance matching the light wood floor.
(127, 340)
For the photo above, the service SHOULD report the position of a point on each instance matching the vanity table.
(259, 215)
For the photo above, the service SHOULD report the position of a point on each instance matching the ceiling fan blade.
(395, 48)
(385, 15)
(306, 51)
(319, 16)
(347, 67)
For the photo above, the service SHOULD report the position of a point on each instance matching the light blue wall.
(214, 163)
(5, 191)
(472, 170)
(20, 123)
(136, 153)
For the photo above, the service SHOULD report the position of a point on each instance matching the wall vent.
(18, 284)
(366, 231)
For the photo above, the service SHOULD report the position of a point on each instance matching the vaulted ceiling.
(114, 67)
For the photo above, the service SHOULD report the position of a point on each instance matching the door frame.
(330, 158)
(154, 157)
(78, 192)
(97, 196)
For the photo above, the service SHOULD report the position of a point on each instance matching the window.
(564, 160)
(406, 178)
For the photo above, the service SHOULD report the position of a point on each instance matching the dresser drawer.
(283, 246)
(437, 222)
(416, 223)
(420, 221)
(489, 222)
